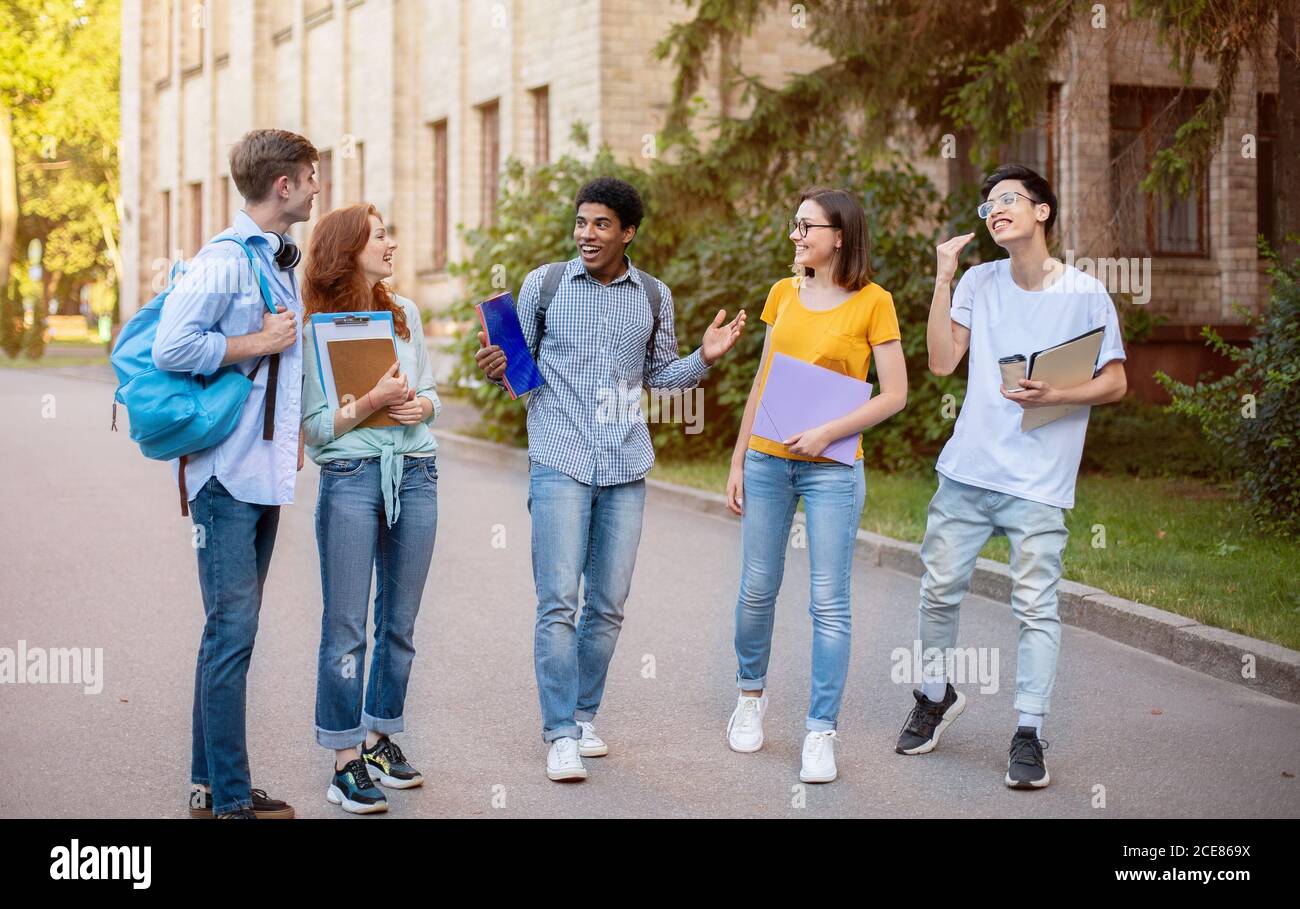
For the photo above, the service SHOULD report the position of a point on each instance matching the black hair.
(1037, 187)
(619, 195)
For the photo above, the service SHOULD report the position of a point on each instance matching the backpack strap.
(550, 284)
(180, 481)
(656, 310)
(268, 416)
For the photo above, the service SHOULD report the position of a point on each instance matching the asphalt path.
(96, 555)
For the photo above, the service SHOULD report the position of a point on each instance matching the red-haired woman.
(377, 508)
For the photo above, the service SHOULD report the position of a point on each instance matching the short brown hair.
(844, 211)
(262, 156)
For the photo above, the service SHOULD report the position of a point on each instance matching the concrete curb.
(1223, 654)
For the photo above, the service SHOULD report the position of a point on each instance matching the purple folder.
(799, 396)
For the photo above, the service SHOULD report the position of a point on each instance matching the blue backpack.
(175, 414)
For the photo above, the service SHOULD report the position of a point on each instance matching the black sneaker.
(264, 807)
(389, 766)
(353, 790)
(928, 720)
(1025, 767)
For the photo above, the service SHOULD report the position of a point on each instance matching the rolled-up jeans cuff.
(348, 738)
(381, 725)
(819, 725)
(1032, 703)
(751, 684)
(584, 716)
(562, 732)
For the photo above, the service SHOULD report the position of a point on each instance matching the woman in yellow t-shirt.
(833, 316)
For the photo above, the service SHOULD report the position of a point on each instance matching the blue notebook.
(501, 324)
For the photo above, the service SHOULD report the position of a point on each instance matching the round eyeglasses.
(1006, 199)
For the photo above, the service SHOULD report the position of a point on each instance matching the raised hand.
(719, 338)
(946, 254)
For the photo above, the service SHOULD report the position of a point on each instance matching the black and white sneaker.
(1025, 766)
(928, 720)
(354, 791)
(388, 766)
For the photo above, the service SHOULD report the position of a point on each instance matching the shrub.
(1253, 415)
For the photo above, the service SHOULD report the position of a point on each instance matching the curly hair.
(618, 194)
(334, 281)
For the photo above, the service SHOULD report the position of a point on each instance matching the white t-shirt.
(987, 448)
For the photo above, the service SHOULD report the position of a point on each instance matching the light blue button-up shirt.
(217, 298)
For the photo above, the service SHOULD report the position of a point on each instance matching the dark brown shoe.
(264, 807)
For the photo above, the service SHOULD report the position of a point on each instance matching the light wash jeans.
(354, 539)
(588, 532)
(833, 495)
(960, 521)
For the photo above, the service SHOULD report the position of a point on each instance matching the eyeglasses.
(802, 225)
(1006, 199)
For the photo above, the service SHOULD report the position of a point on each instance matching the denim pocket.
(343, 467)
(757, 455)
(430, 468)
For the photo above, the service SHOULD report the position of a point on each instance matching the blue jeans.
(234, 555)
(588, 532)
(354, 538)
(960, 521)
(833, 495)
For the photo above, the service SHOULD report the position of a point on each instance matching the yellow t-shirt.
(840, 339)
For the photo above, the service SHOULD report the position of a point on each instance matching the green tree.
(924, 68)
(59, 121)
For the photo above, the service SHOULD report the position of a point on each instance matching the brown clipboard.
(358, 364)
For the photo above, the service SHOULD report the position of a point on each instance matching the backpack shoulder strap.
(656, 311)
(550, 284)
(273, 369)
(264, 287)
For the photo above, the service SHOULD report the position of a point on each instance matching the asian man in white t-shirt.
(994, 477)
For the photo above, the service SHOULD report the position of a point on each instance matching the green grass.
(1182, 545)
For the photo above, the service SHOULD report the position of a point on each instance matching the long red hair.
(334, 280)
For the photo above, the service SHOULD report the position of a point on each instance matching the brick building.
(415, 104)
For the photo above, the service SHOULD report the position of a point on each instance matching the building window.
(282, 20)
(1143, 121)
(541, 124)
(163, 52)
(440, 203)
(192, 26)
(358, 177)
(194, 240)
(165, 222)
(325, 171)
(1265, 174)
(224, 201)
(489, 162)
(219, 22)
(1036, 145)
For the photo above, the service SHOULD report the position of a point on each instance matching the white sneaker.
(563, 761)
(818, 757)
(591, 745)
(745, 728)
